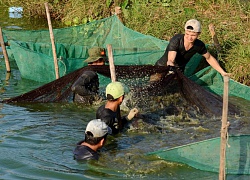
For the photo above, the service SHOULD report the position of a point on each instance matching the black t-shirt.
(111, 118)
(86, 88)
(83, 152)
(176, 43)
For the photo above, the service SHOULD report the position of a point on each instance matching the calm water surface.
(37, 140)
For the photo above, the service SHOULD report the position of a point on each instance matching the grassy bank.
(164, 18)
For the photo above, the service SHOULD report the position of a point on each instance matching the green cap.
(95, 53)
(115, 89)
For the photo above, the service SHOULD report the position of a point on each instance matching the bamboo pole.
(7, 77)
(224, 123)
(52, 41)
(7, 63)
(111, 63)
(224, 127)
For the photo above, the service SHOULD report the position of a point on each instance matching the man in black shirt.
(95, 136)
(86, 87)
(182, 47)
(110, 112)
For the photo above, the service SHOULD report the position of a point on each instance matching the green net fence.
(72, 44)
(205, 155)
(32, 52)
(211, 80)
(129, 47)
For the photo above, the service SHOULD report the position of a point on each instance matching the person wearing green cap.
(110, 112)
(86, 87)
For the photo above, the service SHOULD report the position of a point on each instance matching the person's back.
(83, 152)
(111, 118)
(110, 112)
(86, 87)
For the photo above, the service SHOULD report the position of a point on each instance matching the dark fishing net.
(60, 90)
(206, 101)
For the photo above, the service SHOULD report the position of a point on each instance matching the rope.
(60, 59)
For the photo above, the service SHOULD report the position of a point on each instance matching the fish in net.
(60, 90)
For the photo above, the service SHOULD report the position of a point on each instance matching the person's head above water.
(96, 54)
(114, 90)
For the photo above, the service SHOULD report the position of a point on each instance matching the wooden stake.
(7, 63)
(52, 41)
(214, 37)
(118, 13)
(111, 63)
(7, 77)
(224, 126)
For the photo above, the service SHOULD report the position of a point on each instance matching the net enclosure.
(31, 51)
(134, 57)
(205, 155)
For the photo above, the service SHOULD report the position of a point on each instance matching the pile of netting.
(60, 90)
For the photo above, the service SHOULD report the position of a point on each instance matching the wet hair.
(93, 140)
(111, 98)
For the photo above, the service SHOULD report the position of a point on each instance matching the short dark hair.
(93, 140)
(111, 98)
(100, 59)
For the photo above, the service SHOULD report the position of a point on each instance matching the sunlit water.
(37, 140)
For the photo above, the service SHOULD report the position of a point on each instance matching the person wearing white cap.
(86, 87)
(182, 47)
(95, 137)
(110, 112)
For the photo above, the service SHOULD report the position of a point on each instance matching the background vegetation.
(164, 18)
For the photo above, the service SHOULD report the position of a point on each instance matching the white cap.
(193, 25)
(98, 128)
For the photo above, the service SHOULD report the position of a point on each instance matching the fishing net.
(60, 90)
(211, 80)
(205, 155)
(31, 51)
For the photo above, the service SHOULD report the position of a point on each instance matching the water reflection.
(11, 19)
(15, 12)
